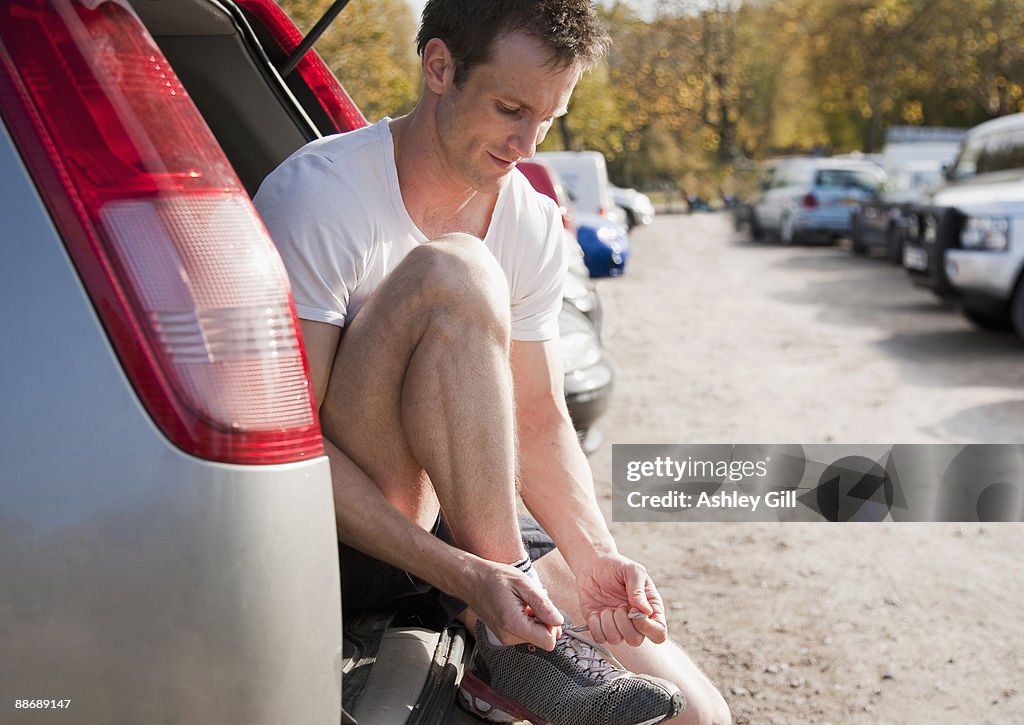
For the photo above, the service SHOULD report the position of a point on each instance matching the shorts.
(371, 585)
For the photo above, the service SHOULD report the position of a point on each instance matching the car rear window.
(847, 179)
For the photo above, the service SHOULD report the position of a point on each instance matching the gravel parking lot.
(720, 340)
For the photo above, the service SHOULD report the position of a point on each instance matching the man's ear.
(438, 66)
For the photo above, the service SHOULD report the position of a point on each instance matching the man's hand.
(610, 587)
(513, 606)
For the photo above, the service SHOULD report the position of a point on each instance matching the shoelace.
(597, 661)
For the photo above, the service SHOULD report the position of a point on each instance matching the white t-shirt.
(335, 211)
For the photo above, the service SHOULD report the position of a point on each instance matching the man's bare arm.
(558, 488)
(556, 483)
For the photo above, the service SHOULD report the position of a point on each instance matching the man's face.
(501, 111)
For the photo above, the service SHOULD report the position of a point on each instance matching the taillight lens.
(810, 201)
(182, 273)
(330, 94)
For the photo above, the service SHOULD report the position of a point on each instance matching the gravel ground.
(718, 340)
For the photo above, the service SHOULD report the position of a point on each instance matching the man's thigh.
(361, 410)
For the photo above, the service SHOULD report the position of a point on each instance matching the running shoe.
(577, 683)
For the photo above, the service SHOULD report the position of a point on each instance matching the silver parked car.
(167, 532)
(803, 199)
(636, 205)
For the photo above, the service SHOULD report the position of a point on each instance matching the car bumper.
(985, 274)
(643, 216)
(826, 221)
(922, 269)
(924, 257)
(588, 393)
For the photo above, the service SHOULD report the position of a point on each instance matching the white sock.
(524, 565)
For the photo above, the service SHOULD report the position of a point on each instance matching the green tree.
(371, 48)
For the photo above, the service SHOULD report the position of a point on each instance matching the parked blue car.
(605, 245)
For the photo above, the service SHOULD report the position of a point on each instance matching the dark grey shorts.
(370, 585)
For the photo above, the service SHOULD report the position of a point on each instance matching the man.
(428, 277)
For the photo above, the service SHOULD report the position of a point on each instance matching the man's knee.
(458, 278)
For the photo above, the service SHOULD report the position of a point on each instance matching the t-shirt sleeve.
(323, 260)
(537, 303)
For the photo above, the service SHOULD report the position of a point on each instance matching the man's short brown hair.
(569, 29)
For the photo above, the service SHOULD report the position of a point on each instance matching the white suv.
(984, 254)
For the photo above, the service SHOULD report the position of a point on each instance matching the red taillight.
(330, 94)
(810, 202)
(185, 279)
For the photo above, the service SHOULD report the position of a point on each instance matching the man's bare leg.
(421, 382)
(704, 704)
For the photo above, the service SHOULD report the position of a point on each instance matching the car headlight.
(580, 345)
(913, 227)
(608, 235)
(986, 233)
(931, 230)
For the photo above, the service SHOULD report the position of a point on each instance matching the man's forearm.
(558, 488)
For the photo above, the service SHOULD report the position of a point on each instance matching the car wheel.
(856, 241)
(895, 245)
(1017, 309)
(988, 319)
(756, 230)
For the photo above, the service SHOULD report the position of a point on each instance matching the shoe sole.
(481, 701)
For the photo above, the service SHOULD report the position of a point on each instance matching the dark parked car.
(168, 544)
(884, 220)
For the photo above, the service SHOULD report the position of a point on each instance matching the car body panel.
(139, 582)
(637, 205)
(586, 175)
(606, 245)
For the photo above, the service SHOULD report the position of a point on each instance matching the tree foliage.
(371, 48)
(691, 87)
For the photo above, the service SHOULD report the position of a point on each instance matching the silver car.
(167, 532)
(805, 199)
(636, 205)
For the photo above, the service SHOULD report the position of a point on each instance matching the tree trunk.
(563, 128)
